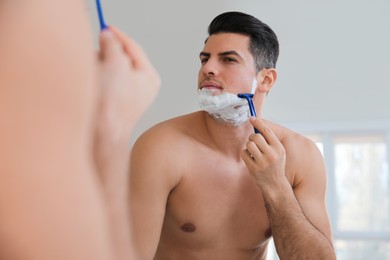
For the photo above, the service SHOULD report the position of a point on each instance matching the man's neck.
(226, 137)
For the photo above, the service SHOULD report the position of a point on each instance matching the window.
(362, 184)
(358, 197)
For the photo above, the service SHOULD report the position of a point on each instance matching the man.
(204, 186)
(55, 117)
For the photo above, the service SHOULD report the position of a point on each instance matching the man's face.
(226, 64)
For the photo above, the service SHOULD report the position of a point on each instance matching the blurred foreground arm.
(129, 84)
(50, 201)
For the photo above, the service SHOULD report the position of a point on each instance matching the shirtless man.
(204, 186)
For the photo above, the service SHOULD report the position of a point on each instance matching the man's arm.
(50, 203)
(152, 178)
(298, 217)
(128, 84)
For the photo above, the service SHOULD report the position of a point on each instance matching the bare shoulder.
(293, 141)
(168, 144)
(169, 134)
(303, 158)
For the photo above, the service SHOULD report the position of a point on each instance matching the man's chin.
(229, 122)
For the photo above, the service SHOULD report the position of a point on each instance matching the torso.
(216, 211)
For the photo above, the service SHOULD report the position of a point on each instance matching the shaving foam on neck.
(226, 107)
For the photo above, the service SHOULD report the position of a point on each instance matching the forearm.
(117, 205)
(126, 78)
(112, 160)
(294, 236)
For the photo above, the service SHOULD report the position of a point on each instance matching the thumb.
(109, 45)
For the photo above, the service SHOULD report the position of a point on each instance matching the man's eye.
(228, 59)
(203, 61)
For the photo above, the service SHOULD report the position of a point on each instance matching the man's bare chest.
(218, 203)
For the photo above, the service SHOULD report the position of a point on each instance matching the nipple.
(188, 227)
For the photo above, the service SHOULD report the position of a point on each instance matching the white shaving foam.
(254, 85)
(226, 107)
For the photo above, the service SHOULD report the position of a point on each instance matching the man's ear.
(266, 79)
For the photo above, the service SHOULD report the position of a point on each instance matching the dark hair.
(264, 44)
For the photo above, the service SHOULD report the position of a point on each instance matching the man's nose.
(210, 68)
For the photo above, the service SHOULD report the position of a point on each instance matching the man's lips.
(211, 85)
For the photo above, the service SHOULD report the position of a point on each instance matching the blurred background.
(333, 86)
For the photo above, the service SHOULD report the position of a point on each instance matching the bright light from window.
(362, 184)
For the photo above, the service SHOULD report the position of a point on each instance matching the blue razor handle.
(103, 25)
(248, 97)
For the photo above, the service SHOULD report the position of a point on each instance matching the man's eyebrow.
(204, 54)
(225, 53)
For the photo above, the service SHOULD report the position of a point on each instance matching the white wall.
(334, 63)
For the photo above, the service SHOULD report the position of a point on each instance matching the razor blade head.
(245, 95)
